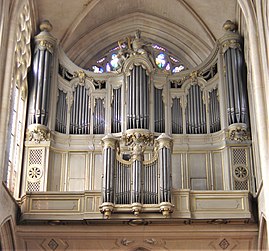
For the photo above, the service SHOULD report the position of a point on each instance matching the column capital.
(165, 140)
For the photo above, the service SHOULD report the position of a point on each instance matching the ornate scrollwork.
(238, 132)
(137, 140)
(81, 75)
(37, 133)
(46, 45)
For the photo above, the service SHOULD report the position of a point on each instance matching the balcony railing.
(189, 205)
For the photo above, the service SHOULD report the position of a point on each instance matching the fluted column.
(109, 158)
(165, 150)
(39, 89)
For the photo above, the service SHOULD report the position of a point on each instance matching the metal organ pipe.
(109, 160)
(214, 111)
(61, 112)
(165, 144)
(237, 103)
(177, 119)
(137, 110)
(159, 110)
(39, 90)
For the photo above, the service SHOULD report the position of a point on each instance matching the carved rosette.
(37, 133)
(238, 132)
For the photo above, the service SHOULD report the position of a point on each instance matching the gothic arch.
(7, 235)
(263, 234)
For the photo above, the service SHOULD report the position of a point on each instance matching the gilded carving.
(44, 40)
(238, 132)
(137, 140)
(193, 75)
(46, 45)
(81, 75)
(232, 43)
(37, 133)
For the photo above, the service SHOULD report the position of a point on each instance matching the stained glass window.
(114, 58)
(160, 60)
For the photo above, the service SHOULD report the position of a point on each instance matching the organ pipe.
(138, 101)
(214, 111)
(177, 117)
(122, 183)
(116, 111)
(99, 117)
(165, 149)
(165, 144)
(196, 111)
(159, 116)
(61, 113)
(80, 111)
(109, 158)
(235, 76)
(39, 88)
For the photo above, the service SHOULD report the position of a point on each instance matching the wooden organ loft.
(138, 141)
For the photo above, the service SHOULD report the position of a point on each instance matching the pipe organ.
(160, 132)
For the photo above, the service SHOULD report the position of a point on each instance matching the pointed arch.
(7, 235)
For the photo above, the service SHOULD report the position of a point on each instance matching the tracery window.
(22, 60)
(163, 59)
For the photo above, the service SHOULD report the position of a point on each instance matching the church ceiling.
(188, 28)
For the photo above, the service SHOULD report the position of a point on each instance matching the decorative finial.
(229, 26)
(45, 26)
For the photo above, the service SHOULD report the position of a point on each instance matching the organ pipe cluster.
(164, 158)
(138, 99)
(195, 111)
(40, 84)
(80, 111)
(235, 75)
(109, 154)
(137, 181)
